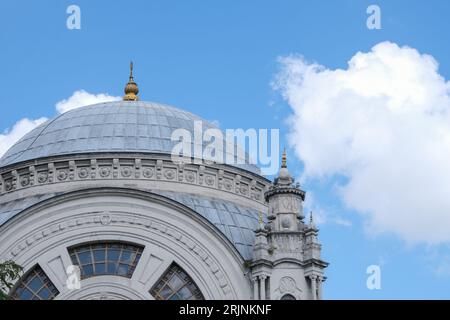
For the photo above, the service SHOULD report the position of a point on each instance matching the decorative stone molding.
(71, 170)
(64, 169)
(115, 168)
(62, 175)
(105, 172)
(105, 219)
(287, 285)
(209, 180)
(51, 170)
(121, 220)
(228, 184)
(126, 172)
(42, 177)
(107, 289)
(190, 176)
(83, 173)
(24, 180)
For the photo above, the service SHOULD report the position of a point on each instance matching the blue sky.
(218, 59)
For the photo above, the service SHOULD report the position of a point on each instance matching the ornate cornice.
(151, 167)
(284, 190)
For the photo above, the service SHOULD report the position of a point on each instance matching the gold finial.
(131, 89)
(283, 159)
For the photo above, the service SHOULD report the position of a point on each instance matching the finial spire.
(131, 89)
(284, 159)
(311, 219)
(284, 177)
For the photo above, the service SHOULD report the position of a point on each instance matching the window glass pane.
(192, 287)
(44, 293)
(110, 258)
(113, 255)
(100, 268)
(85, 257)
(99, 255)
(111, 268)
(25, 295)
(122, 270)
(166, 291)
(176, 284)
(126, 256)
(34, 285)
(88, 270)
(185, 293)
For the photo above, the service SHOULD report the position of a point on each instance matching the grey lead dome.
(127, 126)
(120, 126)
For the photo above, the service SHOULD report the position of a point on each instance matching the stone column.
(262, 287)
(255, 288)
(313, 279)
(319, 283)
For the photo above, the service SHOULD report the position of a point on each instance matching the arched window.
(34, 285)
(175, 284)
(107, 258)
(288, 297)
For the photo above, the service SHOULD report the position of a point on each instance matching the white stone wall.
(170, 233)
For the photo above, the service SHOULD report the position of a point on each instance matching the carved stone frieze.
(63, 171)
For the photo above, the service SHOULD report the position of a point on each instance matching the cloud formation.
(78, 99)
(82, 98)
(382, 125)
(322, 215)
(9, 137)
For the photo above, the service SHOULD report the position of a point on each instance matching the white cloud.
(342, 222)
(79, 98)
(10, 136)
(383, 124)
(82, 98)
(322, 215)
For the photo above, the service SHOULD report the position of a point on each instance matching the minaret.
(131, 89)
(285, 202)
(286, 257)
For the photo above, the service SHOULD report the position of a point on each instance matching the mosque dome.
(118, 126)
(123, 128)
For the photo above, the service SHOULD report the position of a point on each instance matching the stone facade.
(286, 262)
